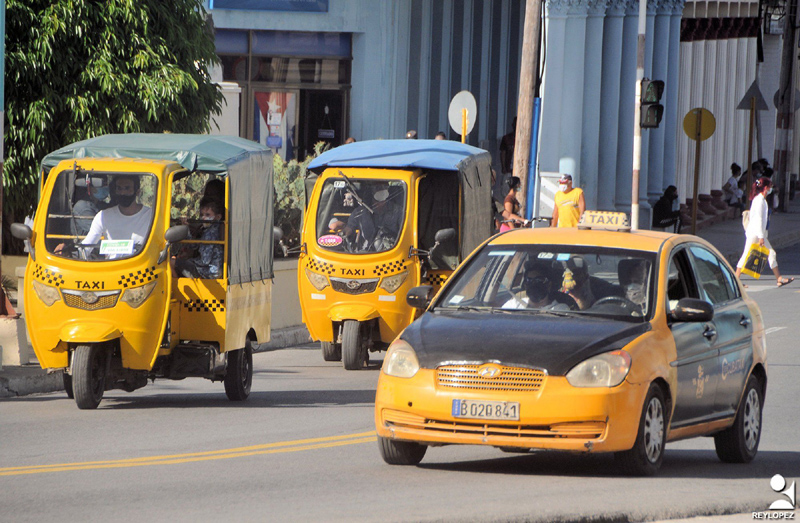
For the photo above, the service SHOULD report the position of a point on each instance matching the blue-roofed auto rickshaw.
(101, 298)
(385, 216)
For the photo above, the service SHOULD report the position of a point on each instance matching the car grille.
(583, 430)
(104, 301)
(466, 377)
(354, 286)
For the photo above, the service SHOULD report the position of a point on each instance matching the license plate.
(505, 410)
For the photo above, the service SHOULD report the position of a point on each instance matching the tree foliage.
(81, 68)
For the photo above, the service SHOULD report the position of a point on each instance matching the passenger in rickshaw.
(127, 220)
(91, 200)
(207, 263)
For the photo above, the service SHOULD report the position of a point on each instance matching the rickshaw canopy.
(247, 164)
(436, 157)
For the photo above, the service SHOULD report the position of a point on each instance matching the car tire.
(88, 376)
(739, 443)
(67, 380)
(239, 374)
(645, 458)
(331, 351)
(401, 452)
(352, 345)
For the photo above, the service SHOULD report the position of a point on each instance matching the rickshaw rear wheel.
(67, 378)
(88, 375)
(331, 351)
(353, 355)
(239, 375)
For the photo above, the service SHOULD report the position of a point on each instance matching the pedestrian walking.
(569, 204)
(511, 207)
(756, 229)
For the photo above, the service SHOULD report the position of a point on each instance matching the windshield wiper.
(355, 193)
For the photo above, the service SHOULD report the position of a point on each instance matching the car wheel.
(331, 351)
(645, 458)
(239, 374)
(739, 443)
(352, 345)
(67, 379)
(401, 452)
(88, 375)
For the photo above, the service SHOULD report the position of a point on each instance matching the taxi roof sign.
(604, 220)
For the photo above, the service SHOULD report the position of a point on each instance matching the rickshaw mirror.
(277, 233)
(444, 235)
(177, 233)
(420, 297)
(21, 231)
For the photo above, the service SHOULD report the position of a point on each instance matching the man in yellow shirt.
(569, 204)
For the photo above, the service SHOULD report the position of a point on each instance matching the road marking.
(773, 329)
(173, 459)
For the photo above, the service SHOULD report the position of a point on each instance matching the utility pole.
(785, 102)
(528, 74)
(637, 128)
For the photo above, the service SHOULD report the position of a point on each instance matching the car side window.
(714, 278)
(680, 281)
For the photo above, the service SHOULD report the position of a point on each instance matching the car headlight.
(603, 370)
(392, 283)
(401, 360)
(49, 295)
(319, 281)
(135, 296)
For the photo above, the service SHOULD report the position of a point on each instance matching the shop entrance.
(321, 119)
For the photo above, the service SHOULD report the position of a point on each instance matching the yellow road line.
(253, 450)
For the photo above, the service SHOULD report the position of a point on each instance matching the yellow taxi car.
(583, 340)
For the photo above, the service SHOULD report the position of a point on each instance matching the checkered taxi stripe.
(135, 279)
(205, 305)
(389, 268)
(436, 279)
(321, 266)
(47, 276)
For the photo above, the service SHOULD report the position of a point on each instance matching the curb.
(37, 383)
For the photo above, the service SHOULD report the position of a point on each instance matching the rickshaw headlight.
(135, 296)
(49, 295)
(603, 370)
(319, 281)
(392, 283)
(401, 360)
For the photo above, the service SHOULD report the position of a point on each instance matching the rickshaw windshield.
(361, 216)
(95, 216)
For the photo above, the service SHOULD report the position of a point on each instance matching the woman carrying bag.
(756, 230)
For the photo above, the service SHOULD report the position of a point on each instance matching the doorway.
(322, 119)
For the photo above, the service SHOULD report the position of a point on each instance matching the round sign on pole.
(462, 100)
(702, 118)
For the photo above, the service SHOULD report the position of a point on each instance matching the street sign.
(461, 101)
(753, 92)
(701, 120)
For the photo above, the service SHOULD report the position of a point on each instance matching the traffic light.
(651, 111)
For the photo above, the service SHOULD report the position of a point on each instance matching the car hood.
(553, 343)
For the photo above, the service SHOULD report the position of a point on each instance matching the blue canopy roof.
(443, 155)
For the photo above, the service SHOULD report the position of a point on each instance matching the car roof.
(650, 241)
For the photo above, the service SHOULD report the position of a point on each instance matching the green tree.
(81, 68)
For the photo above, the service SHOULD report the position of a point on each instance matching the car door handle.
(709, 332)
(744, 322)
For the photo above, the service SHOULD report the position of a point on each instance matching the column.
(659, 71)
(553, 86)
(590, 133)
(627, 96)
(673, 10)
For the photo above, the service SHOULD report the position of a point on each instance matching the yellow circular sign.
(699, 124)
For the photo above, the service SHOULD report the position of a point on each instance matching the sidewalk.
(727, 237)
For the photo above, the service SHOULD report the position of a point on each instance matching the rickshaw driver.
(380, 227)
(128, 219)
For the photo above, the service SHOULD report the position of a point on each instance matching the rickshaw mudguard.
(89, 332)
(353, 311)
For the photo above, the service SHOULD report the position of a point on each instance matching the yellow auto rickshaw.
(385, 216)
(123, 282)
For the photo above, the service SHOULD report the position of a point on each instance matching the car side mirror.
(177, 233)
(21, 231)
(420, 297)
(444, 235)
(692, 309)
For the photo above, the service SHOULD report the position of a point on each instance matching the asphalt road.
(303, 448)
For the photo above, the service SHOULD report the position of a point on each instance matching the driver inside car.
(540, 282)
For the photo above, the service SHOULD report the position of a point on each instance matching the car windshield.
(568, 279)
(360, 216)
(96, 216)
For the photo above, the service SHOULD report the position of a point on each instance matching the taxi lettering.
(352, 272)
(609, 219)
(90, 284)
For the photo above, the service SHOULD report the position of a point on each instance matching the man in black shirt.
(663, 215)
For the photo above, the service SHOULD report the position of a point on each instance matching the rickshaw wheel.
(352, 345)
(239, 376)
(88, 375)
(331, 351)
(67, 378)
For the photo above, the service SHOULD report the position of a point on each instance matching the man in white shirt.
(128, 220)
